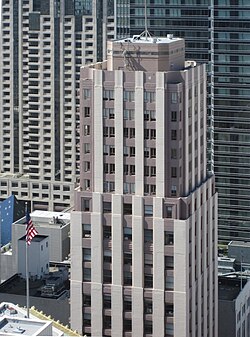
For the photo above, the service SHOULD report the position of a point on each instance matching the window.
(85, 205)
(105, 131)
(149, 96)
(86, 93)
(128, 96)
(111, 131)
(146, 133)
(86, 183)
(146, 152)
(107, 207)
(107, 232)
(132, 151)
(125, 169)
(86, 274)
(126, 151)
(128, 114)
(86, 254)
(169, 211)
(108, 95)
(153, 153)
(112, 168)
(107, 256)
(86, 130)
(146, 171)
(132, 170)
(86, 111)
(173, 134)
(173, 190)
(173, 116)
(173, 172)
(148, 235)
(86, 147)
(108, 113)
(169, 238)
(86, 165)
(127, 281)
(174, 97)
(153, 171)
(125, 132)
(153, 134)
(173, 154)
(111, 150)
(86, 230)
(148, 210)
(132, 133)
(127, 209)
(127, 233)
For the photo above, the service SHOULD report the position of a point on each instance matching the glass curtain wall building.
(229, 112)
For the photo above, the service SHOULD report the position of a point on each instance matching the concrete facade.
(145, 225)
(38, 256)
(42, 46)
(234, 307)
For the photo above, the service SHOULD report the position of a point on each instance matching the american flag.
(30, 229)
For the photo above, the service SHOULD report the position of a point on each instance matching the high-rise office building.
(43, 44)
(144, 229)
(218, 30)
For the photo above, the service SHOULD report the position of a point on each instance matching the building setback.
(144, 229)
(43, 44)
(220, 31)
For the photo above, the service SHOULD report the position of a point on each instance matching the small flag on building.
(30, 229)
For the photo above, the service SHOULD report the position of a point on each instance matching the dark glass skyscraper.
(229, 112)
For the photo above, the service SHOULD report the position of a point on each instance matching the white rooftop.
(49, 215)
(14, 326)
(14, 322)
(146, 38)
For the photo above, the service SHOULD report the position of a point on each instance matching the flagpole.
(27, 271)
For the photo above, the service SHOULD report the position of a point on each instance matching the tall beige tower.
(144, 231)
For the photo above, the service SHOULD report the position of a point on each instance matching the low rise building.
(234, 306)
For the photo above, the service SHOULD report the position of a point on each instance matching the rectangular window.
(173, 116)
(111, 131)
(132, 151)
(173, 190)
(173, 153)
(128, 96)
(153, 134)
(86, 130)
(148, 210)
(86, 230)
(86, 254)
(149, 96)
(107, 207)
(86, 93)
(174, 97)
(173, 134)
(86, 111)
(153, 152)
(86, 148)
(153, 171)
(112, 168)
(86, 165)
(132, 170)
(132, 132)
(173, 172)
(108, 95)
(127, 209)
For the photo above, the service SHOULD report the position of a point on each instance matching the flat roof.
(18, 326)
(149, 39)
(50, 215)
(37, 238)
(229, 287)
(239, 243)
